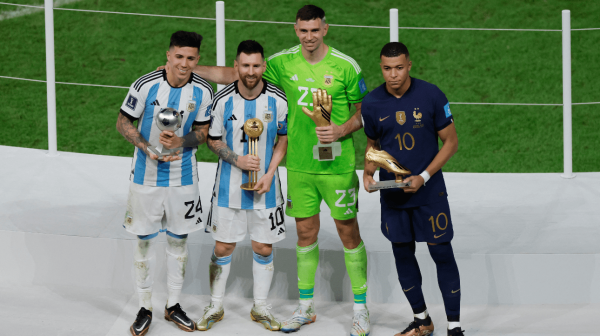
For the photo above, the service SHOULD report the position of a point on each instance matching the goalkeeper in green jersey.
(300, 71)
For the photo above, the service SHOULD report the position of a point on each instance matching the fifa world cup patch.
(131, 102)
(289, 204)
(447, 110)
(362, 86)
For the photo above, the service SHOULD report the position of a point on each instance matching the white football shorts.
(153, 209)
(228, 225)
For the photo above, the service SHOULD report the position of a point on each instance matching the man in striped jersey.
(163, 194)
(235, 211)
(300, 71)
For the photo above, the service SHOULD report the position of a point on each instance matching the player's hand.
(264, 184)
(170, 140)
(367, 181)
(416, 183)
(248, 162)
(150, 154)
(171, 158)
(329, 134)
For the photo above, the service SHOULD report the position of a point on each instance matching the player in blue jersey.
(405, 117)
(235, 211)
(163, 194)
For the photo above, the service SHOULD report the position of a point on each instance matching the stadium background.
(469, 66)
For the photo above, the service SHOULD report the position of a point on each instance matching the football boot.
(212, 315)
(176, 315)
(456, 332)
(361, 325)
(418, 327)
(302, 315)
(262, 315)
(142, 322)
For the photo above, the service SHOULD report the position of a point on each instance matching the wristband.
(425, 176)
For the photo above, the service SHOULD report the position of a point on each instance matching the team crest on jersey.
(417, 115)
(191, 106)
(268, 116)
(401, 117)
(328, 80)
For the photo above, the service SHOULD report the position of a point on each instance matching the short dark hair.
(394, 49)
(250, 47)
(310, 12)
(186, 39)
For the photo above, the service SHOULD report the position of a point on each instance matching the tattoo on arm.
(129, 132)
(224, 152)
(196, 137)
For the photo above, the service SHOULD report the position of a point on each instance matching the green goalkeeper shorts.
(306, 191)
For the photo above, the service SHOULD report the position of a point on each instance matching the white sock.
(306, 302)
(262, 269)
(359, 306)
(144, 265)
(219, 271)
(423, 315)
(452, 325)
(177, 256)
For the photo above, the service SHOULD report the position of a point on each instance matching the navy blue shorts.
(427, 223)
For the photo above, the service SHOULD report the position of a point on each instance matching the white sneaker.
(361, 325)
(302, 315)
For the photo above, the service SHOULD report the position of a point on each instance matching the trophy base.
(248, 186)
(327, 152)
(165, 152)
(388, 185)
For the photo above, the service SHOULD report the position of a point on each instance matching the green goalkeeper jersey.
(341, 76)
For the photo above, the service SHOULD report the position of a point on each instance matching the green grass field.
(469, 66)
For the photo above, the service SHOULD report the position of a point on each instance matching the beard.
(247, 85)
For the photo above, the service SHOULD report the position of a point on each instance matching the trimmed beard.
(243, 79)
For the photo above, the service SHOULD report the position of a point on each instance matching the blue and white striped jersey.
(146, 97)
(229, 113)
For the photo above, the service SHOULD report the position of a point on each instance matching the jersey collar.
(264, 89)
(164, 74)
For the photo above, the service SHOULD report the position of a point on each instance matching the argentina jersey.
(146, 97)
(229, 113)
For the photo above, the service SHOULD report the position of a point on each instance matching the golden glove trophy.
(321, 115)
(384, 160)
(253, 129)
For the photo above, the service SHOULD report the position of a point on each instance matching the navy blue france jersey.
(406, 128)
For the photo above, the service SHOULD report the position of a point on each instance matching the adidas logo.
(155, 103)
(310, 80)
(348, 212)
(232, 117)
(281, 230)
(199, 220)
(294, 78)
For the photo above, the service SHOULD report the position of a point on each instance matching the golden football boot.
(322, 104)
(384, 160)
(212, 315)
(418, 327)
(262, 315)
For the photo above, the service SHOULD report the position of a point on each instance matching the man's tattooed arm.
(129, 132)
(196, 137)
(224, 152)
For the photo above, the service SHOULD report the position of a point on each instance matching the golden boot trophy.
(321, 115)
(253, 129)
(384, 160)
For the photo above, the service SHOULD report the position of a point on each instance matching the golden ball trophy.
(321, 115)
(253, 129)
(384, 160)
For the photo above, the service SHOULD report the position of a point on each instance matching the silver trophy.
(167, 119)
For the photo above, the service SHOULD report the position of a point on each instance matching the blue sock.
(448, 278)
(409, 275)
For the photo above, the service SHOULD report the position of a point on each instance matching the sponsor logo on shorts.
(455, 291)
(281, 230)
(442, 193)
(290, 204)
(348, 212)
(406, 290)
(436, 236)
(214, 228)
(198, 221)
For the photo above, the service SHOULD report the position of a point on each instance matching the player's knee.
(176, 244)
(441, 253)
(223, 249)
(143, 247)
(262, 249)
